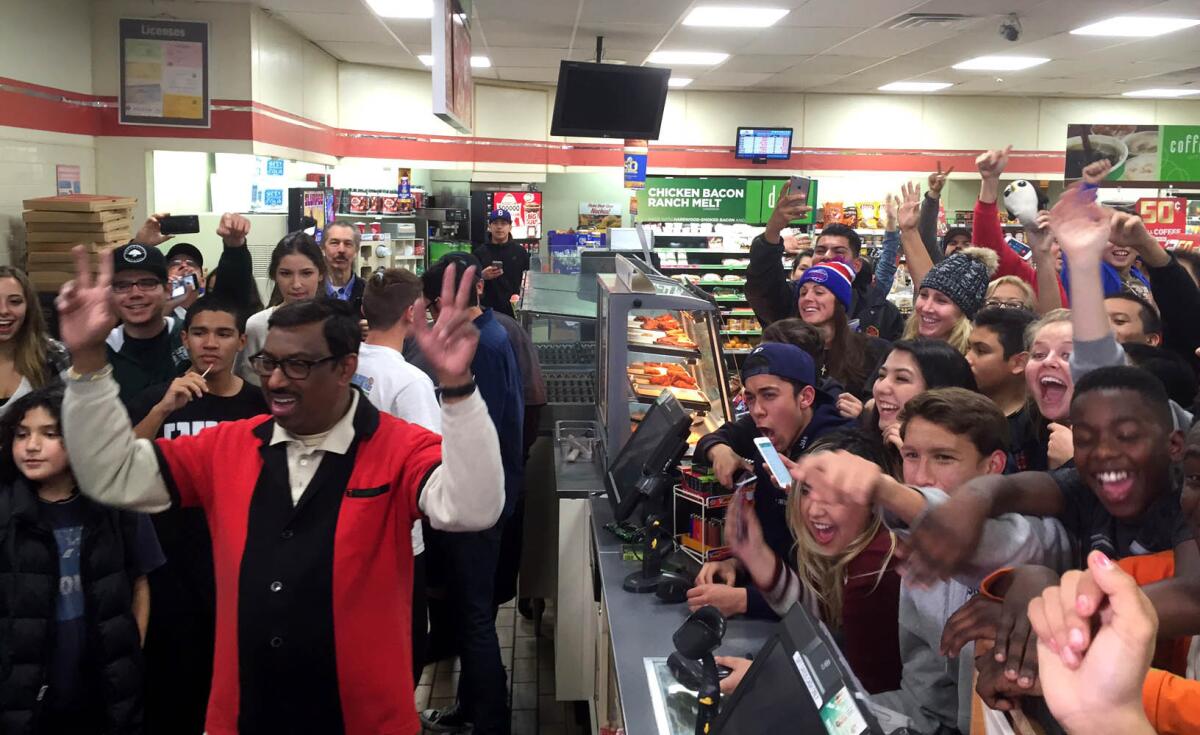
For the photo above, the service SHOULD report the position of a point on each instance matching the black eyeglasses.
(143, 284)
(1004, 304)
(292, 367)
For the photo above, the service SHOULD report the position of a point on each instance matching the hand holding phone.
(800, 187)
(180, 286)
(182, 224)
(773, 462)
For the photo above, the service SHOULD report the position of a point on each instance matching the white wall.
(46, 42)
(290, 73)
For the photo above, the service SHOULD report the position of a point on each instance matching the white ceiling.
(820, 46)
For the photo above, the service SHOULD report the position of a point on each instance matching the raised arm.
(930, 204)
(1041, 242)
(915, 254)
(110, 464)
(466, 492)
(885, 265)
(236, 281)
(1081, 227)
(945, 538)
(767, 286)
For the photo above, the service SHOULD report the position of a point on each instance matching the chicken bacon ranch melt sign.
(693, 200)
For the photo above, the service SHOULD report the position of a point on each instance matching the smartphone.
(773, 461)
(801, 185)
(498, 264)
(179, 225)
(179, 286)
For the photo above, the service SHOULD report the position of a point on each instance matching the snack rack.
(699, 504)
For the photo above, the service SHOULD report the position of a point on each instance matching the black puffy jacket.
(29, 578)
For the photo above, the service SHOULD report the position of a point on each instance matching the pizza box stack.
(55, 225)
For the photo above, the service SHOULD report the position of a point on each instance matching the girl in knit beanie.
(949, 296)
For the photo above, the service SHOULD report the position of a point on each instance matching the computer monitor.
(764, 144)
(799, 682)
(658, 443)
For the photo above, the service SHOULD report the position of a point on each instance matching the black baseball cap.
(135, 256)
(188, 249)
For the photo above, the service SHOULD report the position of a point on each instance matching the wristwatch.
(459, 391)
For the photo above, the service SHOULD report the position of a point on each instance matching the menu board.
(164, 72)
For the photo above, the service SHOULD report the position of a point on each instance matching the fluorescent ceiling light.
(402, 9)
(914, 86)
(697, 58)
(678, 82)
(426, 59)
(731, 17)
(1161, 93)
(1136, 26)
(1000, 63)
(480, 62)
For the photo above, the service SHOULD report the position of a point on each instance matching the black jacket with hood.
(770, 503)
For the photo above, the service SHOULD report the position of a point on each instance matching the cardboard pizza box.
(98, 228)
(119, 237)
(108, 215)
(80, 203)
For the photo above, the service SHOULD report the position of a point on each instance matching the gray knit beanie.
(964, 278)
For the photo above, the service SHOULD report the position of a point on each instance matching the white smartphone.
(773, 461)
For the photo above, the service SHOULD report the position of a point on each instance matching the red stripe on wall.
(35, 107)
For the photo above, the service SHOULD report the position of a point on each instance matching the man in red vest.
(310, 508)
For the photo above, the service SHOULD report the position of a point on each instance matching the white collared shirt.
(304, 453)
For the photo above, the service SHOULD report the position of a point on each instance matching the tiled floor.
(529, 662)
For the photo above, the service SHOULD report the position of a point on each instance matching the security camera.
(1010, 28)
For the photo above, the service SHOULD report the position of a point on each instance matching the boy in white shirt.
(395, 386)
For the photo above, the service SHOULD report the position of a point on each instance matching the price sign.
(1165, 217)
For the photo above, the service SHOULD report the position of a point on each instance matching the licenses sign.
(164, 72)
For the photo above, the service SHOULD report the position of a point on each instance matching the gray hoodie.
(934, 690)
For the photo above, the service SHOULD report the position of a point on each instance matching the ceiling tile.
(386, 54)
(729, 80)
(845, 13)
(337, 27)
(792, 40)
(539, 74)
(605, 12)
(525, 57)
(754, 64)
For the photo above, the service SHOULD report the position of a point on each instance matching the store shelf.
(701, 267)
(714, 251)
(742, 331)
(701, 552)
(376, 215)
(738, 312)
(861, 231)
(708, 501)
(649, 401)
(736, 352)
(650, 349)
(728, 299)
(731, 284)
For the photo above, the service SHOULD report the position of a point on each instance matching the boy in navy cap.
(783, 405)
(504, 261)
(145, 349)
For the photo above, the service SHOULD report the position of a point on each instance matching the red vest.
(313, 601)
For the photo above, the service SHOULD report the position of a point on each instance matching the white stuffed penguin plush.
(1022, 201)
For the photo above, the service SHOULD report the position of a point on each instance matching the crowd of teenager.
(228, 517)
(993, 502)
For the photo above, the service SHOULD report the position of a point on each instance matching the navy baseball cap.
(500, 214)
(782, 361)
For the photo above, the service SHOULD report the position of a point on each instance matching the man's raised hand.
(449, 345)
(85, 314)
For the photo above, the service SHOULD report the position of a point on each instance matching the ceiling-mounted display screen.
(764, 144)
(609, 101)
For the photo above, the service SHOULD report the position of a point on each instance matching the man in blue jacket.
(469, 560)
(785, 406)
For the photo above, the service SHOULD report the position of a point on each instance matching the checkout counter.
(592, 332)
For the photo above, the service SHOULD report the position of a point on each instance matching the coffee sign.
(1140, 154)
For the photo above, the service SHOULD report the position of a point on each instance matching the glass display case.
(559, 312)
(655, 334)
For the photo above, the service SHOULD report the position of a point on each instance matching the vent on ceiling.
(918, 21)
